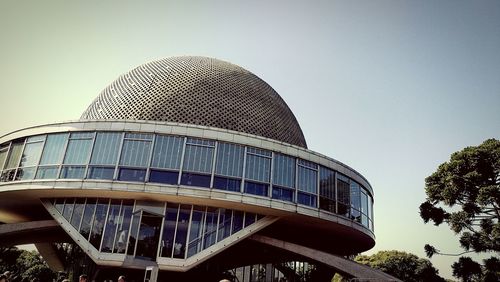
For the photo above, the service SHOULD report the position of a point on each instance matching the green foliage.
(465, 194)
(24, 266)
(405, 266)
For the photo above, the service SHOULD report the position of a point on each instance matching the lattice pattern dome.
(201, 91)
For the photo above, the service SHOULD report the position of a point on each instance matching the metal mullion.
(120, 149)
(244, 223)
(214, 154)
(105, 224)
(92, 219)
(243, 175)
(120, 217)
(89, 155)
(150, 158)
(203, 228)
(183, 153)
(188, 231)
(217, 226)
(20, 158)
(161, 230)
(175, 230)
(231, 223)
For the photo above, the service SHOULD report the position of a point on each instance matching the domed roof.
(201, 91)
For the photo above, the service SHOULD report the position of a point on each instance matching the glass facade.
(178, 231)
(178, 160)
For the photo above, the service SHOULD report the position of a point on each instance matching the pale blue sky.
(391, 88)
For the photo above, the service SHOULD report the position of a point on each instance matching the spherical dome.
(201, 91)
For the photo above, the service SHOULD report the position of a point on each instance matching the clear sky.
(391, 88)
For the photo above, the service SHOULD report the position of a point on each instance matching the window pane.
(141, 136)
(106, 148)
(3, 156)
(26, 173)
(256, 188)
(197, 220)
(308, 180)
(78, 151)
(123, 226)
(128, 174)
(306, 199)
(135, 153)
(167, 241)
(109, 232)
(237, 221)
(14, 155)
(149, 234)
(229, 160)
(101, 173)
(227, 184)
(249, 219)
(198, 159)
(68, 208)
(327, 183)
(167, 177)
(181, 234)
(74, 172)
(224, 224)
(355, 195)
(192, 179)
(87, 218)
(258, 168)
(98, 224)
(77, 213)
(284, 170)
(167, 152)
(53, 150)
(31, 154)
(210, 230)
(284, 194)
(49, 172)
(364, 203)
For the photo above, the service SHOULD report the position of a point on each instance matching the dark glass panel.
(134, 230)
(74, 172)
(228, 184)
(8, 175)
(181, 233)
(256, 188)
(249, 219)
(129, 174)
(111, 222)
(327, 183)
(210, 230)
(98, 222)
(237, 221)
(101, 173)
(306, 199)
(87, 218)
(167, 241)
(166, 177)
(327, 204)
(123, 226)
(149, 233)
(343, 192)
(77, 212)
(59, 205)
(224, 224)
(283, 194)
(198, 180)
(197, 220)
(68, 208)
(48, 172)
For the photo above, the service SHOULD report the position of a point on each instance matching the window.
(229, 160)
(98, 222)
(106, 148)
(179, 248)
(54, 149)
(198, 159)
(167, 152)
(30, 157)
(327, 189)
(355, 202)
(228, 184)
(343, 193)
(167, 241)
(307, 183)
(78, 151)
(258, 168)
(12, 161)
(135, 157)
(195, 234)
(123, 226)
(166, 177)
(284, 171)
(111, 224)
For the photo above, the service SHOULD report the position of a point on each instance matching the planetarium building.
(185, 166)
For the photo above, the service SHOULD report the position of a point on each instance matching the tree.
(405, 266)
(24, 266)
(465, 194)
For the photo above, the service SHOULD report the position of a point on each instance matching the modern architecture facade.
(179, 163)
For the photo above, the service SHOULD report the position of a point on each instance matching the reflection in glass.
(192, 179)
(255, 188)
(106, 148)
(14, 155)
(68, 208)
(307, 180)
(31, 154)
(327, 189)
(166, 177)
(26, 173)
(135, 153)
(237, 221)
(195, 233)
(228, 184)
(134, 230)
(123, 226)
(198, 158)
(167, 241)
(111, 222)
(74, 172)
(129, 174)
(282, 193)
(167, 152)
(224, 224)
(343, 193)
(181, 233)
(59, 205)
(78, 151)
(258, 167)
(101, 173)
(3, 156)
(249, 219)
(284, 170)
(77, 212)
(87, 218)
(98, 223)
(229, 159)
(210, 229)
